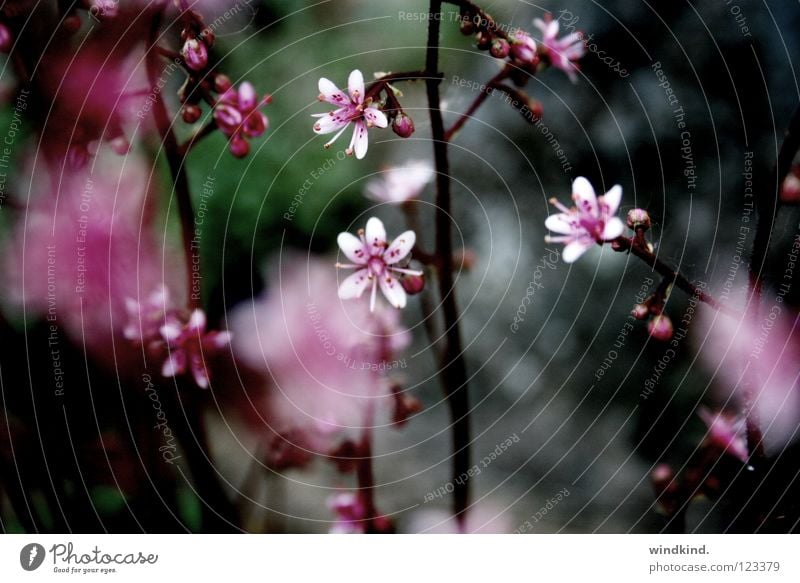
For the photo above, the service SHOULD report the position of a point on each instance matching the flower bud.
(239, 147)
(71, 24)
(228, 118)
(120, 145)
(6, 38)
(790, 189)
(484, 40)
(403, 125)
(660, 327)
(500, 48)
(467, 26)
(638, 219)
(222, 83)
(195, 54)
(191, 113)
(640, 311)
(413, 284)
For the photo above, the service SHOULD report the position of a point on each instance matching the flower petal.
(613, 229)
(330, 122)
(197, 322)
(612, 199)
(375, 236)
(175, 364)
(360, 141)
(354, 285)
(561, 223)
(355, 85)
(331, 93)
(400, 247)
(584, 196)
(170, 331)
(575, 249)
(353, 248)
(393, 291)
(376, 117)
(199, 371)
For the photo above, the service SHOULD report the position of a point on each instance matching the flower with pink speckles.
(190, 345)
(591, 221)
(376, 262)
(363, 114)
(561, 52)
(237, 114)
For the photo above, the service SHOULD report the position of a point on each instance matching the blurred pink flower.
(400, 183)
(376, 262)
(322, 359)
(591, 221)
(353, 109)
(563, 52)
(482, 519)
(725, 433)
(78, 256)
(758, 357)
(349, 512)
(189, 346)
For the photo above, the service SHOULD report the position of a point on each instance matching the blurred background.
(576, 385)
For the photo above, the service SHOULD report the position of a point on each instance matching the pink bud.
(6, 38)
(640, 311)
(222, 83)
(71, 23)
(120, 145)
(239, 147)
(660, 327)
(228, 118)
(403, 125)
(790, 190)
(484, 40)
(638, 219)
(467, 27)
(413, 284)
(195, 54)
(255, 124)
(191, 113)
(500, 48)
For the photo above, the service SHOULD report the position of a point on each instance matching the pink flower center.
(376, 266)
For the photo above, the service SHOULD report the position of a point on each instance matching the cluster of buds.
(659, 325)
(238, 116)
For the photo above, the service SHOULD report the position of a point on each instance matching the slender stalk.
(172, 150)
(637, 248)
(453, 368)
(493, 84)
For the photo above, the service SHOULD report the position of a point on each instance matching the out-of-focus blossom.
(591, 221)
(80, 257)
(145, 318)
(351, 108)
(6, 38)
(660, 327)
(322, 359)
(400, 183)
(523, 47)
(562, 53)
(238, 116)
(725, 433)
(757, 359)
(189, 346)
(376, 262)
(790, 189)
(349, 513)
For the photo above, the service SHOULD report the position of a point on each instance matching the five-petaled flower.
(562, 53)
(238, 117)
(591, 221)
(377, 262)
(355, 109)
(189, 346)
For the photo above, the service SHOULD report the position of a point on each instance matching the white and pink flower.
(725, 432)
(591, 221)
(352, 108)
(562, 53)
(190, 346)
(377, 263)
(400, 183)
